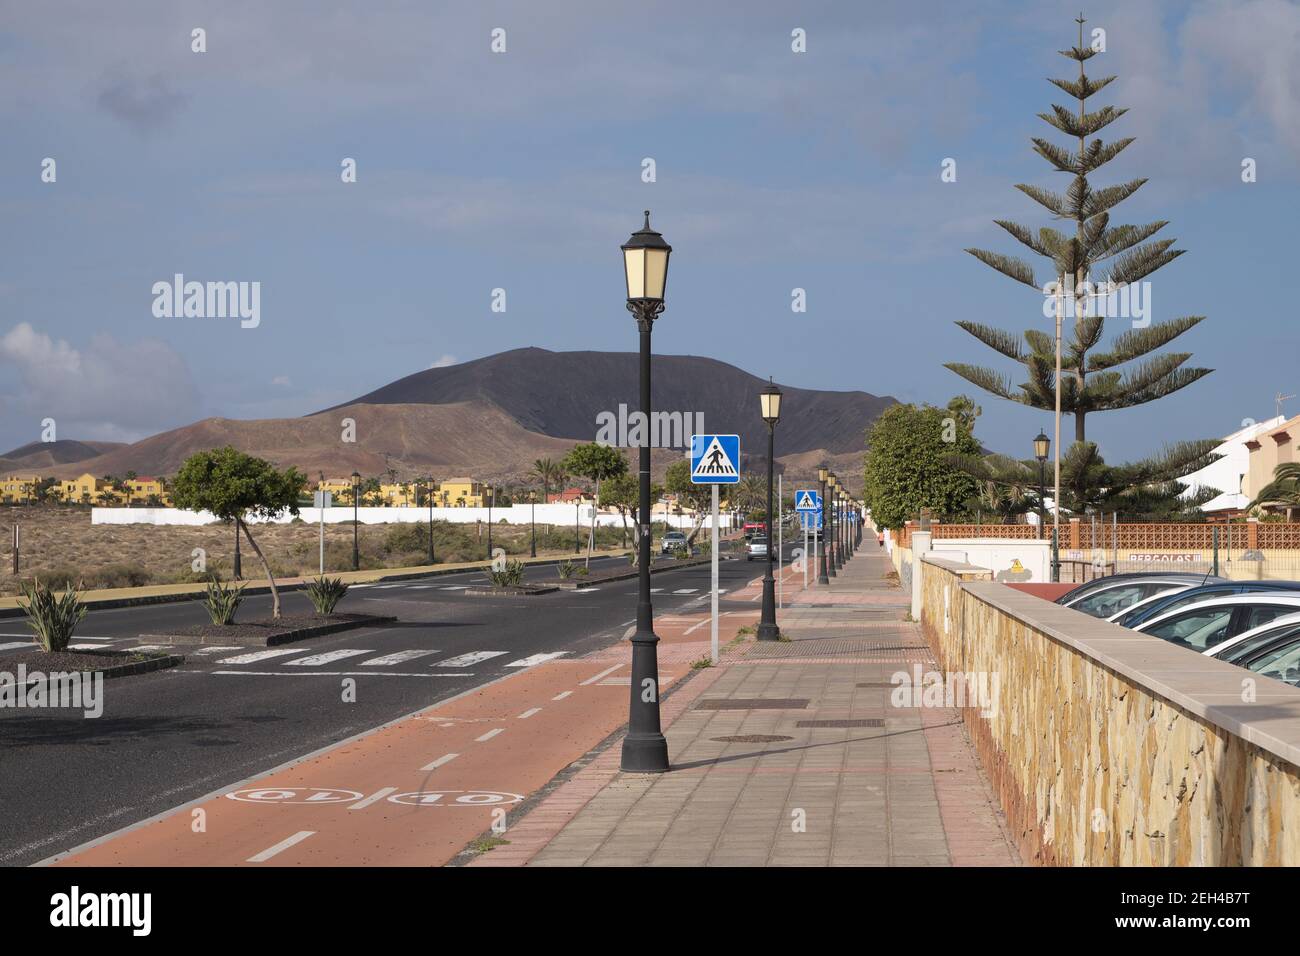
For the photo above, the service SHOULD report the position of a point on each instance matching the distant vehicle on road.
(757, 547)
(673, 542)
(1207, 624)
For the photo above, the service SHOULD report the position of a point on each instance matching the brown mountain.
(41, 456)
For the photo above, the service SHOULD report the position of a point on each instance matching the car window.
(1184, 600)
(1247, 648)
(1262, 615)
(1201, 629)
(1113, 600)
(1282, 664)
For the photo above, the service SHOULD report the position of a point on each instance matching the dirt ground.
(60, 545)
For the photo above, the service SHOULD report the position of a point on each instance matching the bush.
(325, 594)
(567, 569)
(222, 601)
(509, 576)
(52, 617)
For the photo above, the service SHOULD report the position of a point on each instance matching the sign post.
(715, 460)
(322, 500)
(808, 505)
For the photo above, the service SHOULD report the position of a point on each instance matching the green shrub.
(567, 569)
(222, 601)
(52, 617)
(325, 593)
(509, 576)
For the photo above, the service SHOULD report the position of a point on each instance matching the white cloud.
(111, 390)
(444, 362)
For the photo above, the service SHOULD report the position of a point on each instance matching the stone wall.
(1107, 747)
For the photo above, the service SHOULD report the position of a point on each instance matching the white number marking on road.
(260, 655)
(490, 734)
(469, 660)
(281, 846)
(397, 657)
(536, 659)
(316, 660)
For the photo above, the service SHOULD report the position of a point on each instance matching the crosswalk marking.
(398, 657)
(469, 660)
(686, 591)
(536, 659)
(10, 647)
(256, 656)
(214, 650)
(316, 660)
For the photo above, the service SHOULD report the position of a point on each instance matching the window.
(1282, 664)
(1113, 600)
(1199, 630)
(1244, 650)
(1262, 615)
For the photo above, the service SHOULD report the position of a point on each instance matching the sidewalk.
(787, 754)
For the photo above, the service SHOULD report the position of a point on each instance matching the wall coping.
(948, 564)
(1203, 686)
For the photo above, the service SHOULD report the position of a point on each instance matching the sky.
(523, 170)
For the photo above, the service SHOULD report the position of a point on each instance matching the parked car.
(757, 547)
(1206, 624)
(1110, 580)
(1270, 651)
(674, 542)
(1159, 604)
(1110, 601)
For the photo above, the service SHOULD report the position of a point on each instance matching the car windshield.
(1282, 664)
(1248, 647)
(758, 539)
(1113, 600)
(1200, 630)
(675, 536)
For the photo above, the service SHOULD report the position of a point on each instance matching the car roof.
(1140, 579)
(1146, 604)
(1285, 622)
(1128, 577)
(1229, 600)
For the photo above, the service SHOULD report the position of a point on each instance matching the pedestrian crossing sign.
(715, 459)
(807, 501)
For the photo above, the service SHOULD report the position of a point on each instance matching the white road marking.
(281, 846)
(260, 655)
(469, 660)
(214, 650)
(445, 758)
(373, 798)
(490, 734)
(146, 647)
(567, 693)
(454, 587)
(686, 591)
(329, 657)
(398, 657)
(605, 673)
(528, 713)
(84, 647)
(695, 627)
(385, 587)
(337, 674)
(536, 659)
(586, 590)
(420, 587)
(656, 590)
(10, 647)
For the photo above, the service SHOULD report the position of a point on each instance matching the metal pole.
(322, 534)
(577, 504)
(532, 520)
(805, 553)
(356, 552)
(15, 550)
(239, 571)
(431, 560)
(713, 626)
(644, 748)
(823, 575)
(1056, 447)
(767, 629)
(489, 536)
(780, 528)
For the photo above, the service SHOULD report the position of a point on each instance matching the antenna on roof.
(1278, 399)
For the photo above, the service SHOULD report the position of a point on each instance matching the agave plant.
(508, 576)
(222, 601)
(52, 617)
(325, 594)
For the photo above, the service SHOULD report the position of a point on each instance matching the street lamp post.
(1041, 446)
(532, 520)
(356, 545)
(823, 574)
(833, 552)
(491, 493)
(770, 401)
(645, 268)
(428, 490)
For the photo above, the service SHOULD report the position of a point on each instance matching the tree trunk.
(275, 593)
(1080, 431)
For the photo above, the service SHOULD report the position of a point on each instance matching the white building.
(1229, 473)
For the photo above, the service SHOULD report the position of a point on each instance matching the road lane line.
(489, 735)
(567, 693)
(214, 650)
(398, 657)
(528, 713)
(373, 798)
(329, 657)
(605, 673)
(260, 655)
(281, 846)
(536, 659)
(686, 590)
(469, 660)
(10, 647)
(445, 758)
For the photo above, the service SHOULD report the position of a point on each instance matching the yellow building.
(18, 488)
(460, 493)
(1267, 450)
(142, 489)
(84, 490)
(399, 495)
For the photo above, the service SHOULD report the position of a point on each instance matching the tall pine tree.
(1098, 252)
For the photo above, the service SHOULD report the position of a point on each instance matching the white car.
(1272, 650)
(1205, 625)
(757, 548)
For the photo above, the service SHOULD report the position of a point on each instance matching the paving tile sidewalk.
(761, 785)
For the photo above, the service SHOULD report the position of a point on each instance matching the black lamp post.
(356, 547)
(770, 400)
(491, 493)
(239, 571)
(832, 552)
(1042, 445)
(645, 268)
(532, 520)
(823, 574)
(428, 490)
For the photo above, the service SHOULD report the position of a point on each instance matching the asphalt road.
(228, 714)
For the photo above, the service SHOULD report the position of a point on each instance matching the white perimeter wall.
(559, 515)
(998, 555)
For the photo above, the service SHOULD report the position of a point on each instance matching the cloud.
(112, 390)
(282, 381)
(444, 362)
(145, 105)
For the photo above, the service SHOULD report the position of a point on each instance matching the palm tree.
(548, 472)
(1283, 490)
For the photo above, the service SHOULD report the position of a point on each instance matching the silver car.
(1205, 625)
(757, 548)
